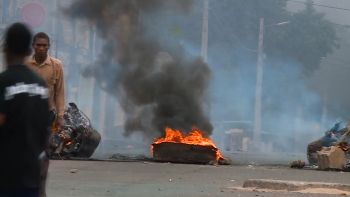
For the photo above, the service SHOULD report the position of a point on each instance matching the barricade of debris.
(331, 152)
(77, 139)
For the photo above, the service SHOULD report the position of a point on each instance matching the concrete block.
(331, 158)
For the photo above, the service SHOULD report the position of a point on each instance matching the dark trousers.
(45, 163)
(25, 192)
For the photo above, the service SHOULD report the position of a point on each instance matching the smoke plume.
(155, 89)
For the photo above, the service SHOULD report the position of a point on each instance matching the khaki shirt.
(51, 70)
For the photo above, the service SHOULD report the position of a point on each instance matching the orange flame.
(344, 148)
(54, 127)
(68, 143)
(63, 136)
(195, 138)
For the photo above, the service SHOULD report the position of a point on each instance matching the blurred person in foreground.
(24, 118)
(51, 70)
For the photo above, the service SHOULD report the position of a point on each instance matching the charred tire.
(91, 143)
(83, 141)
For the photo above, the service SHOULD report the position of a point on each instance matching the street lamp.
(257, 113)
(282, 23)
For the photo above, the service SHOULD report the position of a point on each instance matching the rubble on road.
(331, 158)
(337, 137)
(297, 164)
(77, 139)
(129, 158)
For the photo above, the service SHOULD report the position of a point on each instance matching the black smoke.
(155, 89)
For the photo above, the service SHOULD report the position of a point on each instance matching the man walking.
(24, 118)
(51, 70)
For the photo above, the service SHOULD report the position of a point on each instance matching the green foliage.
(306, 39)
(310, 37)
(234, 30)
(233, 43)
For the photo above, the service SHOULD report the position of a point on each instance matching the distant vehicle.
(233, 133)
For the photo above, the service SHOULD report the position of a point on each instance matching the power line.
(232, 35)
(326, 6)
(255, 50)
(344, 61)
(347, 26)
(331, 64)
(328, 65)
(345, 46)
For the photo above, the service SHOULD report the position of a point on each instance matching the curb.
(292, 185)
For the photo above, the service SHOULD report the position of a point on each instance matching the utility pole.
(87, 85)
(204, 52)
(324, 108)
(257, 119)
(298, 128)
(54, 28)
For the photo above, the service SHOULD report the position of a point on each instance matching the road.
(237, 157)
(136, 179)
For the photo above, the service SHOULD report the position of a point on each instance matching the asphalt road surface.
(148, 179)
(237, 157)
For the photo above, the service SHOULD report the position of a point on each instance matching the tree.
(234, 28)
(310, 37)
(293, 50)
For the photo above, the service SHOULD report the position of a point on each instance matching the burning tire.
(77, 139)
(192, 149)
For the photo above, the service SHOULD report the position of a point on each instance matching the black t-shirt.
(24, 102)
